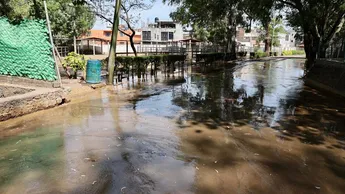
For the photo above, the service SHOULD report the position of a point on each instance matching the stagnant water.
(257, 129)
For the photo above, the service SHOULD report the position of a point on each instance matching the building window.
(287, 37)
(164, 36)
(171, 36)
(146, 35)
(107, 34)
(122, 42)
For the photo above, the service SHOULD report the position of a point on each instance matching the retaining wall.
(328, 75)
(39, 99)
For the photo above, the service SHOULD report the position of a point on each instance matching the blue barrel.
(93, 71)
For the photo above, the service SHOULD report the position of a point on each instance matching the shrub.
(211, 57)
(242, 54)
(260, 54)
(293, 52)
(74, 61)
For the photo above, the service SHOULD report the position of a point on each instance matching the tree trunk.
(322, 51)
(37, 10)
(231, 46)
(112, 53)
(267, 39)
(131, 40)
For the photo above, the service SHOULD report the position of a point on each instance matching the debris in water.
(256, 154)
(247, 134)
(318, 188)
(14, 150)
(18, 142)
(196, 168)
(94, 182)
(119, 145)
(216, 171)
(122, 189)
(83, 175)
(215, 162)
(74, 170)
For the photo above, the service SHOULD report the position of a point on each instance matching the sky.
(159, 10)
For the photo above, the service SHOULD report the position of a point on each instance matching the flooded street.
(255, 129)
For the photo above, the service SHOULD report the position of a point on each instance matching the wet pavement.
(255, 129)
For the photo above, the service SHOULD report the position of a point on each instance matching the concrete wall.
(39, 99)
(328, 75)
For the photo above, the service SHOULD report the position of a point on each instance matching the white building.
(162, 32)
(248, 40)
(287, 40)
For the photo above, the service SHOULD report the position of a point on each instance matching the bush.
(211, 57)
(260, 54)
(140, 63)
(242, 54)
(293, 52)
(74, 61)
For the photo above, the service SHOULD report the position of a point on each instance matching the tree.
(61, 13)
(208, 13)
(275, 27)
(130, 12)
(223, 14)
(261, 11)
(128, 8)
(319, 21)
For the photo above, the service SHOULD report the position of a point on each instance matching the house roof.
(105, 35)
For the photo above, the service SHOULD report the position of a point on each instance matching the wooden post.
(93, 47)
(126, 47)
(102, 47)
(75, 44)
(52, 43)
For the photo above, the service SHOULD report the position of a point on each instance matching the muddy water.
(255, 129)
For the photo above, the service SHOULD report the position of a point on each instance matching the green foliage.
(242, 53)
(276, 27)
(260, 54)
(143, 61)
(67, 18)
(317, 22)
(212, 57)
(75, 61)
(293, 52)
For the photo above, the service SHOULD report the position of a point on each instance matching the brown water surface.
(257, 129)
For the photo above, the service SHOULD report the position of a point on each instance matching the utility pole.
(112, 53)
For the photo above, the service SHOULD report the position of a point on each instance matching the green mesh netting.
(25, 50)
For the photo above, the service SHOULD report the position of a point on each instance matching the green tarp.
(25, 50)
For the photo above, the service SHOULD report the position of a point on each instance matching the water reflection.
(191, 134)
(256, 93)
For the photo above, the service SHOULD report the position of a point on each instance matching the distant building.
(101, 39)
(162, 32)
(248, 40)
